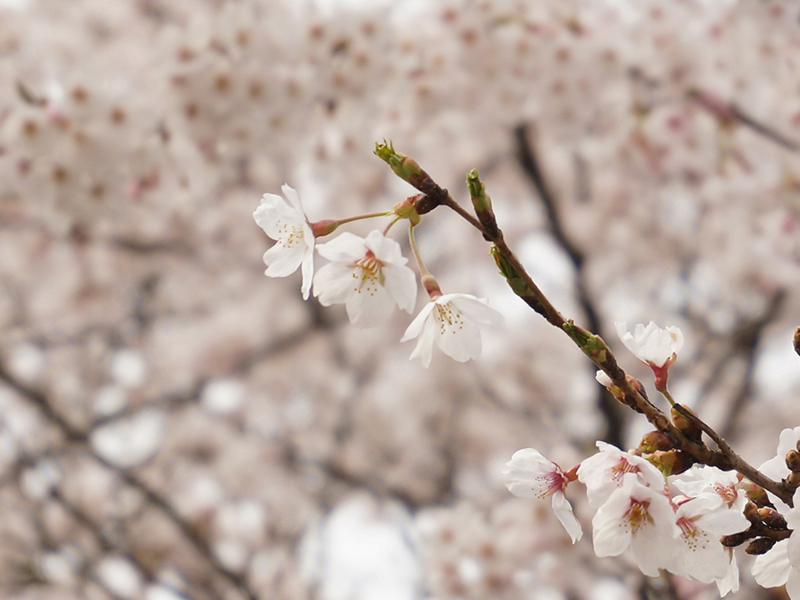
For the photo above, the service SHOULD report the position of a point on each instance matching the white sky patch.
(362, 551)
(777, 370)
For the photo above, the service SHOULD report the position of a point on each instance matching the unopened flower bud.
(759, 546)
(736, 539)
(793, 461)
(653, 441)
(685, 424)
(796, 342)
(751, 512)
(772, 518)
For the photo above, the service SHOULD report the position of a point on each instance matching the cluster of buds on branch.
(675, 502)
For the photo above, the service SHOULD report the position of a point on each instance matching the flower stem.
(428, 282)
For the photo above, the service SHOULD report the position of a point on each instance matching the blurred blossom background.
(173, 424)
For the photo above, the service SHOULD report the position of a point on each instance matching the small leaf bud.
(736, 539)
(751, 512)
(685, 424)
(760, 546)
(793, 461)
(772, 518)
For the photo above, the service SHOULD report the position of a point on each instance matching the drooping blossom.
(638, 517)
(702, 521)
(367, 275)
(604, 472)
(286, 223)
(530, 475)
(452, 322)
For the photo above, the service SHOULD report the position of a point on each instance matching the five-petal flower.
(452, 322)
(530, 475)
(368, 275)
(286, 223)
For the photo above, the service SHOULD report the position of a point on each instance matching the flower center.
(637, 515)
(694, 538)
(368, 274)
(728, 493)
(289, 234)
(449, 318)
(619, 470)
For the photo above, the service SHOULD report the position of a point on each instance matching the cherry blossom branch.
(591, 344)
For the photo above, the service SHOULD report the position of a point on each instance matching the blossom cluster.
(683, 518)
(369, 276)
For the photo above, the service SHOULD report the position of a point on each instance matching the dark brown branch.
(529, 162)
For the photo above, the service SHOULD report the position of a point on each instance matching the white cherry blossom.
(604, 472)
(638, 517)
(530, 475)
(655, 346)
(368, 275)
(286, 223)
(702, 521)
(703, 479)
(775, 468)
(451, 321)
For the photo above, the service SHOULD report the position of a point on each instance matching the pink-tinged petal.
(772, 569)
(333, 284)
(346, 248)
(563, 510)
(424, 348)
(640, 517)
(282, 262)
(401, 282)
(293, 197)
(530, 475)
(416, 326)
(370, 308)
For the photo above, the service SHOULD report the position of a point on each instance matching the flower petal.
(563, 510)
(772, 569)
